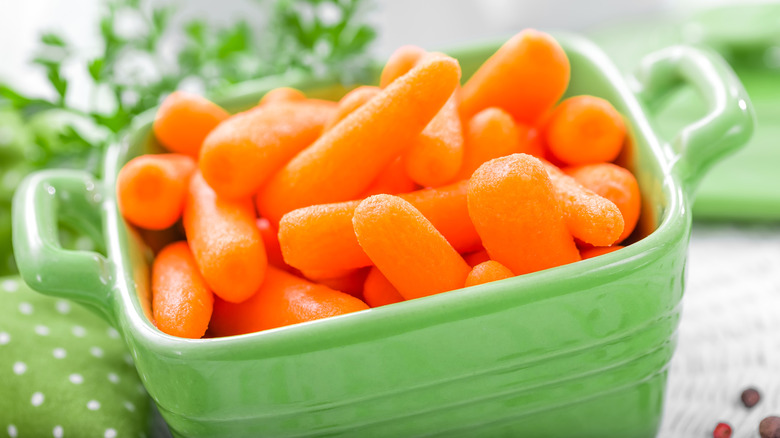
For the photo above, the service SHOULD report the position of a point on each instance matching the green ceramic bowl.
(579, 350)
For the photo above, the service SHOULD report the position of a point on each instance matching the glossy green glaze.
(579, 350)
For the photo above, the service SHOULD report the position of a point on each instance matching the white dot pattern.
(50, 328)
(25, 308)
(76, 379)
(10, 286)
(37, 399)
(63, 307)
(79, 331)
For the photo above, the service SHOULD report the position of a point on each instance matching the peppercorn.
(750, 397)
(722, 430)
(770, 427)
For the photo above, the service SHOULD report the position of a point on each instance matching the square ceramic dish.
(579, 350)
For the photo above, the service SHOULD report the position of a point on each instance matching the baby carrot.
(530, 141)
(243, 152)
(525, 77)
(615, 184)
(391, 181)
(477, 257)
(406, 247)
(589, 217)
(437, 154)
(350, 282)
(184, 120)
(283, 299)
(321, 237)
(270, 238)
(377, 291)
(350, 102)
(589, 253)
(447, 210)
(151, 189)
(491, 133)
(181, 301)
(514, 209)
(585, 130)
(346, 159)
(400, 62)
(282, 94)
(225, 242)
(486, 272)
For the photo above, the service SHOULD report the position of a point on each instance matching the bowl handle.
(730, 119)
(42, 201)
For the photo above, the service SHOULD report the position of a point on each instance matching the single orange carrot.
(491, 133)
(589, 217)
(391, 181)
(486, 272)
(476, 257)
(585, 130)
(531, 141)
(345, 160)
(447, 210)
(283, 299)
(437, 154)
(406, 247)
(184, 120)
(182, 303)
(243, 152)
(282, 94)
(378, 291)
(400, 62)
(321, 237)
(350, 102)
(270, 237)
(513, 206)
(589, 253)
(225, 242)
(151, 189)
(350, 282)
(525, 77)
(615, 184)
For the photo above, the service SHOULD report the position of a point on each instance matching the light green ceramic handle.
(730, 119)
(42, 201)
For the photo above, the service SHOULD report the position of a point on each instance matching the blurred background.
(74, 74)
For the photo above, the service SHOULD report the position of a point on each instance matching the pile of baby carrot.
(300, 209)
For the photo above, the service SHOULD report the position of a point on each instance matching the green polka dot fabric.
(64, 372)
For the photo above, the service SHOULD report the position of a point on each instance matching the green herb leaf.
(95, 68)
(52, 39)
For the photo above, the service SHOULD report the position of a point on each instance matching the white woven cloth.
(729, 335)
